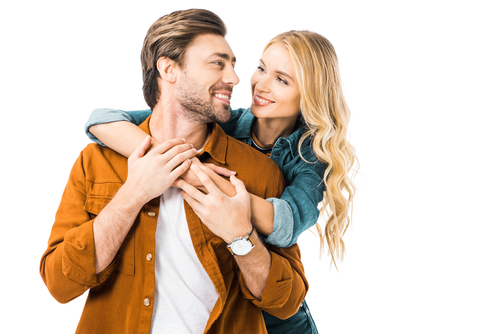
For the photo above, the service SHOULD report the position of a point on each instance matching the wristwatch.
(242, 245)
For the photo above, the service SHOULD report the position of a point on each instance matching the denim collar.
(244, 131)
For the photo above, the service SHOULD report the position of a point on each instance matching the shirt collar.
(243, 129)
(216, 146)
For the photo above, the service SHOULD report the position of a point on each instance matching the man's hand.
(151, 174)
(227, 217)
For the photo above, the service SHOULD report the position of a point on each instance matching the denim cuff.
(104, 115)
(283, 224)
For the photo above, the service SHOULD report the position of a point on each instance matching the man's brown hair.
(170, 36)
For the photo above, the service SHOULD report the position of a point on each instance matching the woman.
(299, 118)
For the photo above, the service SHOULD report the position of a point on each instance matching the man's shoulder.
(102, 164)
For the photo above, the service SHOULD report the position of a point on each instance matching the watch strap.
(248, 238)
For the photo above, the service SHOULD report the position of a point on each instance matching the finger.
(191, 191)
(194, 204)
(168, 144)
(176, 156)
(220, 170)
(141, 149)
(181, 169)
(206, 180)
(196, 161)
(239, 186)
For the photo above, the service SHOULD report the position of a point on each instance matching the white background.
(422, 81)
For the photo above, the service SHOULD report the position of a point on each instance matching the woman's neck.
(268, 130)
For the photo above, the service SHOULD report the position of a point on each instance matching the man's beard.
(197, 108)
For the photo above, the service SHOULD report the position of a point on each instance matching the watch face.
(241, 247)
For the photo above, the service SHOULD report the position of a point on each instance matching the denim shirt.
(297, 209)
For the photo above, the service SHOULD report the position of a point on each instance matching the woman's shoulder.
(239, 124)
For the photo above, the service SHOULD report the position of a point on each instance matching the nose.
(262, 84)
(230, 77)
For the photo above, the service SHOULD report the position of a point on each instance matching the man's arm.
(275, 280)
(233, 221)
(149, 176)
(82, 251)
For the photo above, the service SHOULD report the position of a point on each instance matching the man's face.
(207, 79)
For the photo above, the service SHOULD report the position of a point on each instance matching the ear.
(168, 69)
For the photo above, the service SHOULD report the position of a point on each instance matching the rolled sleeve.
(68, 265)
(282, 225)
(106, 115)
(286, 285)
(78, 257)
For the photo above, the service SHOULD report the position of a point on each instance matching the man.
(123, 231)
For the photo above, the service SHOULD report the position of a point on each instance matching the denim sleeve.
(282, 227)
(300, 212)
(105, 115)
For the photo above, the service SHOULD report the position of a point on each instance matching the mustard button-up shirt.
(121, 298)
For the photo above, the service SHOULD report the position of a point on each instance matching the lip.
(226, 101)
(260, 103)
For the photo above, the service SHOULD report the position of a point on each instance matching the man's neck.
(168, 122)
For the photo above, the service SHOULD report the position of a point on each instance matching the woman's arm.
(117, 129)
(302, 196)
(122, 137)
(106, 115)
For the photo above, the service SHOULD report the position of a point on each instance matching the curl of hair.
(325, 115)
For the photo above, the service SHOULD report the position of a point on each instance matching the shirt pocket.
(126, 254)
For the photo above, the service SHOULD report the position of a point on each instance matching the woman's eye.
(260, 69)
(280, 80)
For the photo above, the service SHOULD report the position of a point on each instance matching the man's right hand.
(151, 174)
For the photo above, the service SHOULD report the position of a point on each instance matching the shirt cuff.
(278, 287)
(282, 225)
(78, 260)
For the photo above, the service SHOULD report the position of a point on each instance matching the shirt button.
(151, 214)
(149, 257)
(147, 302)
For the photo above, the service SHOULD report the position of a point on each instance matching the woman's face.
(274, 86)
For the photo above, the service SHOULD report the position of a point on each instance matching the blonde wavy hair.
(325, 115)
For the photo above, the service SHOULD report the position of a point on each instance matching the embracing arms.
(112, 135)
(296, 210)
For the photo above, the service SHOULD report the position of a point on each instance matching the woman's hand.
(190, 177)
(227, 217)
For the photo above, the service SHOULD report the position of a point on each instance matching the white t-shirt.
(184, 293)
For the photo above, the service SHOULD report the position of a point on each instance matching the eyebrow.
(224, 56)
(279, 72)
